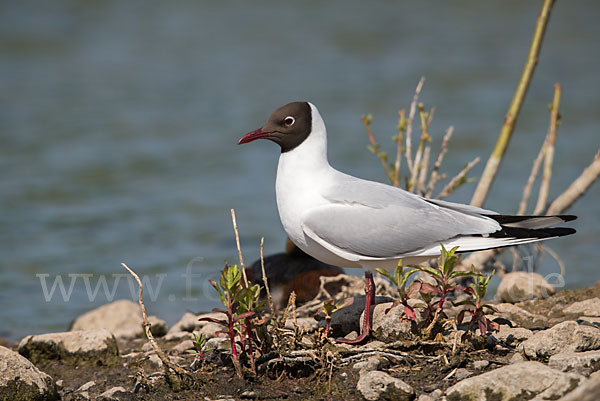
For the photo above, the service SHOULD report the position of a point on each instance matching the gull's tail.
(515, 230)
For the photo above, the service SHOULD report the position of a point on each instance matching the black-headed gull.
(350, 222)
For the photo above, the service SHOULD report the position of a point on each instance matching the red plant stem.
(328, 322)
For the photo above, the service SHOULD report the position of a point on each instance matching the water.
(119, 122)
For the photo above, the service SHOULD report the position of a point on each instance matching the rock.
(183, 346)
(589, 390)
(20, 380)
(248, 395)
(123, 318)
(516, 358)
(589, 307)
(520, 286)
(155, 361)
(433, 396)
(574, 360)
(113, 394)
(158, 327)
(522, 317)
(178, 336)
(375, 385)
(349, 319)
(372, 363)
(524, 380)
(509, 335)
(389, 326)
(564, 337)
(78, 348)
(589, 321)
(480, 365)
(191, 323)
(308, 323)
(462, 373)
(86, 386)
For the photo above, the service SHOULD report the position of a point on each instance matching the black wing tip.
(509, 218)
(539, 233)
(567, 217)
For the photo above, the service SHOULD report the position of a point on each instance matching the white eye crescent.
(289, 121)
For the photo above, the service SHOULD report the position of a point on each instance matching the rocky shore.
(547, 347)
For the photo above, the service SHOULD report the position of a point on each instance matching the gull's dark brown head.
(288, 126)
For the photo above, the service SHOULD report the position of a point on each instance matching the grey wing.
(379, 221)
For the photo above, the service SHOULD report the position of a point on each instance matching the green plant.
(477, 305)
(199, 347)
(400, 279)
(240, 305)
(329, 307)
(445, 277)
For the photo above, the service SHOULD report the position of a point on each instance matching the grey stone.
(509, 335)
(588, 307)
(589, 321)
(178, 336)
(389, 326)
(20, 380)
(308, 323)
(183, 346)
(462, 373)
(520, 316)
(520, 286)
(191, 323)
(158, 327)
(349, 319)
(516, 358)
(248, 395)
(589, 390)
(155, 360)
(376, 385)
(575, 360)
(372, 363)
(564, 337)
(86, 386)
(433, 396)
(123, 318)
(525, 380)
(113, 394)
(480, 365)
(82, 347)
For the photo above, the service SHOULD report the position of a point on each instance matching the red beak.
(251, 136)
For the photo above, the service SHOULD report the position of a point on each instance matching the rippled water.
(119, 122)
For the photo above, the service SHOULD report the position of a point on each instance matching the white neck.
(312, 153)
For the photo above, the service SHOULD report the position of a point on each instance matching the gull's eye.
(289, 121)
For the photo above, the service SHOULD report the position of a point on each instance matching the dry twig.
(549, 152)
(457, 180)
(167, 364)
(435, 177)
(411, 116)
(264, 277)
(239, 249)
(493, 163)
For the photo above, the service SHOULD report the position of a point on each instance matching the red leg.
(369, 301)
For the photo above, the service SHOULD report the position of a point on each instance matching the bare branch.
(577, 188)
(491, 168)
(264, 277)
(549, 152)
(456, 181)
(532, 176)
(167, 364)
(239, 249)
(435, 177)
(411, 116)
(399, 143)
